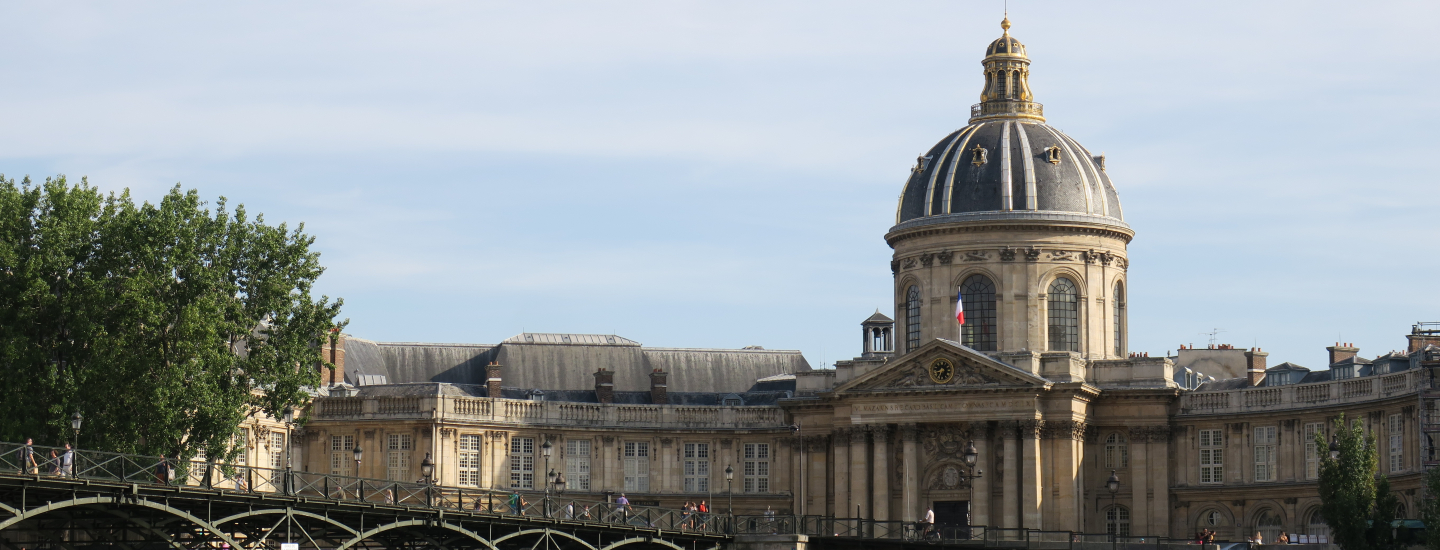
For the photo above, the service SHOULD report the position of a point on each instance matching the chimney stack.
(605, 386)
(492, 379)
(1255, 366)
(335, 354)
(1340, 353)
(658, 394)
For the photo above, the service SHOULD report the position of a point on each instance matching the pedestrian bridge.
(134, 501)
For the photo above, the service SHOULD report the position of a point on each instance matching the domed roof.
(1008, 163)
(1009, 166)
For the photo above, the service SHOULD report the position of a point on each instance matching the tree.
(1358, 520)
(1430, 508)
(165, 324)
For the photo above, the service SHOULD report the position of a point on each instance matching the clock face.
(942, 371)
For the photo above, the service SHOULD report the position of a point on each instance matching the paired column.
(1159, 459)
(797, 474)
(1031, 473)
(1139, 467)
(1065, 438)
(980, 487)
(817, 488)
(910, 484)
(880, 507)
(859, 472)
(842, 473)
(1010, 483)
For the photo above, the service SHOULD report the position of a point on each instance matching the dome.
(1008, 163)
(1014, 166)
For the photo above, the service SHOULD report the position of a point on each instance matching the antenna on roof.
(1212, 334)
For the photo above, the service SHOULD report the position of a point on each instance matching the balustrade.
(1298, 395)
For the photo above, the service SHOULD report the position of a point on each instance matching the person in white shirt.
(929, 522)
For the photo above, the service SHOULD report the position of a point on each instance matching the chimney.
(1340, 353)
(492, 379)
(1255, 366)
(605, 386)
(335, 354)
(658, 393)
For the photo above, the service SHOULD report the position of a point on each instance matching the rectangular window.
(1397, 442)
(277, 450)
(577, 464)
(522, 463)
(1342, 373)
(1312, 452)
(637, 466)
(697, 467)
(340, 454)
(1212, 457)
(242, 442)
(757, 467)
(1265, 444)
(469, 460)
(397, 460)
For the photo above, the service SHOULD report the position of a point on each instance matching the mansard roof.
(549, 362)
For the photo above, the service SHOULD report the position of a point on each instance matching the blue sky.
(720, 174)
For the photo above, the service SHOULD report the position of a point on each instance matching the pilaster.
(1032, 485)
(910, 485)
(880, 505)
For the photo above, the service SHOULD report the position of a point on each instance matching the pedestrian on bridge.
(515, 502)
(620, 506)
(27, 458)
(67, 462)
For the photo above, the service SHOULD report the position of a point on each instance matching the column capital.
(1065, 429)
(980, 431)
(1007, 428)
(1031, 429)
(909, 432)
(1141, 434)
(842, 437)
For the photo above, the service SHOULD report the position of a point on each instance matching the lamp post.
(427, 469)
(545, 449)
(360, 485)
(75, 457)
(289, 422)
(560, 487)
(1334, 447)
(1112, 485)
(730, 491)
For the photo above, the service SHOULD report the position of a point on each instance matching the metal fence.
(57, 462)
(950, 534)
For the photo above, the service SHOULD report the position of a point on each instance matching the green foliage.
(1348, 487)
(1382, 517)
(1430, 508)
(165, 325)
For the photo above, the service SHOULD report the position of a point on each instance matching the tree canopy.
(165, 325)
(1356, 503)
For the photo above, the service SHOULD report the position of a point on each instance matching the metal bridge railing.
(240, 478)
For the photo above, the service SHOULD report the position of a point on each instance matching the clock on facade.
(942, 371)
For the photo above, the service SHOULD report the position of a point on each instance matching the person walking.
(621, 505)
(162, 471)
(67, 462)
(27, 458)
(515, 503)
(570, 510)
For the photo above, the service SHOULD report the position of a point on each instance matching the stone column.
(910, 484)
(1010, 484)
(817, 488)
(842, 473)
(980, 487)
(1139, 480)
(1065, 438)
(1031, 484)
(881, 503)
(798, 459)
(859, 472)
(1159, 457)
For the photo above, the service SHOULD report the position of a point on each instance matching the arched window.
(1268, 525)
(1400, 512)
(1117, 521)
(978, 332)
(1117, 452)
(1211, 519)
(1316, 526)
(1064, 304)
(912, 318)
(1119, 319)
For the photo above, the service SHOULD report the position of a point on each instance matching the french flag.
(959, 306)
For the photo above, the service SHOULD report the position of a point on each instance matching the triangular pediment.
(943, 364)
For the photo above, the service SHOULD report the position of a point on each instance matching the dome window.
(978, 155)
(1053, 154)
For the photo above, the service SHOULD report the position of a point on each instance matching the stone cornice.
(911, 230)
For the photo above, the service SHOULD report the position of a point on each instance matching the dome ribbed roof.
(1008, 165)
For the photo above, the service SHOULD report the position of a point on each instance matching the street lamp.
(545, 449)
(1334, 447)
(729, 490)
(289, 422)
(427, 469)
(75, 425)
(360, 485)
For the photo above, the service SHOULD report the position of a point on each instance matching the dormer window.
(732, 400)
(1053, 154)
(978, 155)
(537, 395)
(1277, 379)
(1342, 373)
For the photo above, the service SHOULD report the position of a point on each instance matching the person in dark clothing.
(162, 471)
(27, 458)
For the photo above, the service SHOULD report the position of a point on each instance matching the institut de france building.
(1027, 224)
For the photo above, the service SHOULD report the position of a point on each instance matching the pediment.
(968, 369)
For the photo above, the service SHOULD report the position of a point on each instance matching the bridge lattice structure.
(115, 500)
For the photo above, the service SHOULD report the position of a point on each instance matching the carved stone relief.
(1007, 254)
(1032, 254)
(907, 263)
(1062, 256)
(927, 259)
(978, 256)
(947, 441)
(947, 478)
(945, 256)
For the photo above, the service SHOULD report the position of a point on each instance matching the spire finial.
(1005, 24)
